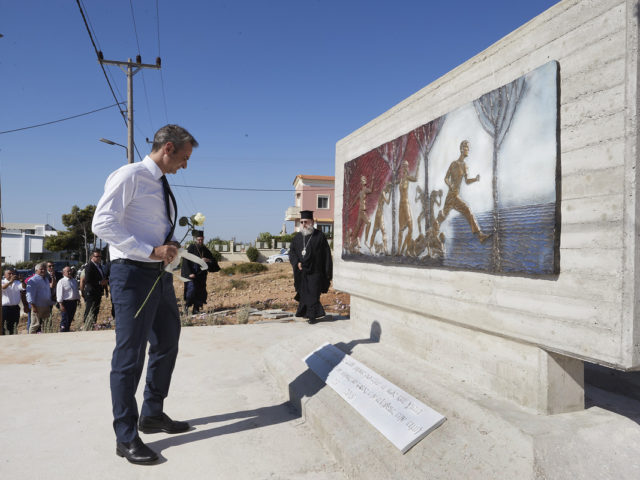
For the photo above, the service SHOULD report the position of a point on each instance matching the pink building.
(316, 193)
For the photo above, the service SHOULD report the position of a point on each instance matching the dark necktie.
(168, 194)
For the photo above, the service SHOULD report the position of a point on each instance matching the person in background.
(52, 278)
(310, 257)
(195, 291)
(68, 296)
(39, 298)
(11, 296)
(25, 282)
(93, 286)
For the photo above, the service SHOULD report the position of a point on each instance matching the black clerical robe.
(316, 274)
(195, 291)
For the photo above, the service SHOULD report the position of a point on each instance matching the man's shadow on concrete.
(305, 385)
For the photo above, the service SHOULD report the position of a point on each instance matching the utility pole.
(131, 69)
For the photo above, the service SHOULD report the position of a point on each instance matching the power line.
(98, 54)
(248, 189)
(135, 30)
(84, 18)
(60, 120)
(144, 82)
(164, 97)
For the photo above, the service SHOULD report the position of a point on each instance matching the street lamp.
(110, 142)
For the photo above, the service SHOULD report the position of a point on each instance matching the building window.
(325, 228)
(323, 201)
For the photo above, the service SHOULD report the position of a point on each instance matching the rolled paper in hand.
(182, 253)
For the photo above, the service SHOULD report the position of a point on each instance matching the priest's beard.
(308, 230)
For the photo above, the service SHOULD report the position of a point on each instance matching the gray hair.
(174, 134)
(40, 265)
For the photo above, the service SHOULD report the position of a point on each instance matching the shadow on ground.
(612, 390)
(305, 385)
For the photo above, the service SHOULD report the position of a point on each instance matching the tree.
(265, 237)
(495, 111)
(426, 136)
(78, 235)
(393, 154)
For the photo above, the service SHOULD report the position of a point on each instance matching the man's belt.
(149, 265)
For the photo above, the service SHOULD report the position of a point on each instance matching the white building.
(25, 241)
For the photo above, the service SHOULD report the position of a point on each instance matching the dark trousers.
(91, 307)
(10, 319)
(66, 315)
(158, 324)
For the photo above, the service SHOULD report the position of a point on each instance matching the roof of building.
(26, 226)
(318, 178)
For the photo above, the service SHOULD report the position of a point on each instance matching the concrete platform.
(484, 437)
(234, 383)
(56, 410)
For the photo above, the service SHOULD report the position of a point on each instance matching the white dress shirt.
(67, 289)
(11, 294)
(131, 215)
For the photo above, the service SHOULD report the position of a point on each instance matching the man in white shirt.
(11, 297)
(137, 215)
(67, 295)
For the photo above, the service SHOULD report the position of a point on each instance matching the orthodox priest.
(310, 257)
(195, 291)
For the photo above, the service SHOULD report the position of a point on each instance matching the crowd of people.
(46, 291)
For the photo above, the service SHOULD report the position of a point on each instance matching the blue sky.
(266, 87)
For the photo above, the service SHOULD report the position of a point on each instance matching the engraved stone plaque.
(400, 417)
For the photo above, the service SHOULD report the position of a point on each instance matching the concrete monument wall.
(496, 329)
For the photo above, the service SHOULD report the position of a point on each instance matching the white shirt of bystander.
(67, 289)
(11, 294)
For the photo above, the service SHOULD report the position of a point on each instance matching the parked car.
(283, 256)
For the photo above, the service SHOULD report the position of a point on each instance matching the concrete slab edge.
(483, 438)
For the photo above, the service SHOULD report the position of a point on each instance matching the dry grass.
(229, 299)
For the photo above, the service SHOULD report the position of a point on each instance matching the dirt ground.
(229, 299)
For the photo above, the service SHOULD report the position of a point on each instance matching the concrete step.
(483, 437)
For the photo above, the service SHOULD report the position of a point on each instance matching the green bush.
(239, 284)
(27, 265)
(252, 254)
(228, 270)
(216, 255)
(285, 238)
(216, 241)
(244, 268)
(251, 268)
(265, 237)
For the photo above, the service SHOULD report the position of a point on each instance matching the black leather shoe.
(136, 452)
(161, 423)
